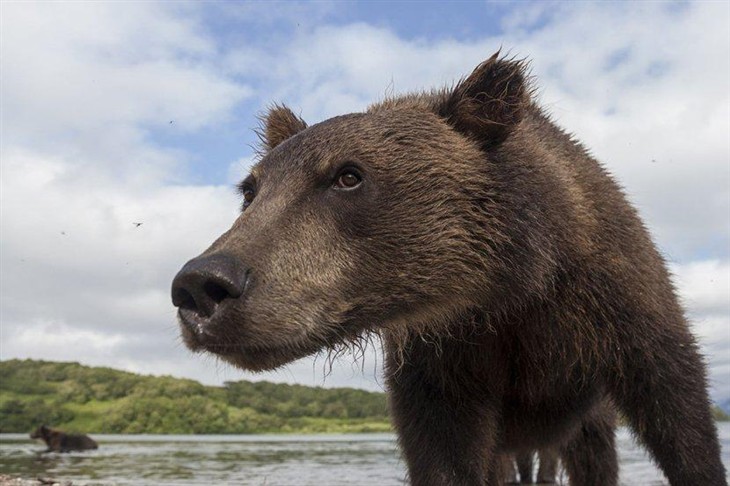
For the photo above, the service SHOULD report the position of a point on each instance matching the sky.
(114, 113)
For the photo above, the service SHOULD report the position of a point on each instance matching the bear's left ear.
(279, 124)
(489, 103)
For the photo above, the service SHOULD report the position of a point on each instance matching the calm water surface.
(297, 460)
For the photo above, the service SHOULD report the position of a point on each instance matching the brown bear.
(518, 295)
(58, 441)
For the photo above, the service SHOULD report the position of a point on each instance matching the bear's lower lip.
(192, 321)
(252, 358)
(197, 332)
(198, 337)
(259, 359)
(202, 334)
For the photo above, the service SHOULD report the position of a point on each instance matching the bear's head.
(383, 221)
(41, 432)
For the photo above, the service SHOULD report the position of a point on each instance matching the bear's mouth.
(200, 336)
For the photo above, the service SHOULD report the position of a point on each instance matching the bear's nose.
(206, 281)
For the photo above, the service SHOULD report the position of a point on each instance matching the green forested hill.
(103, 400)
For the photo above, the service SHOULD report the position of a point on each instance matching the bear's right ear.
(278, 124)
(489, 103)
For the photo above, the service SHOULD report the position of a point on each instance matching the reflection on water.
(254, 459)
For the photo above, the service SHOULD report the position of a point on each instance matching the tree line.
(103, 400)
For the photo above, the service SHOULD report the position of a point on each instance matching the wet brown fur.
(58, 441)
(519, 297)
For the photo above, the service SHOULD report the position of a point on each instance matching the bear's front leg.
(447, 431)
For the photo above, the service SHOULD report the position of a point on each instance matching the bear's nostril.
(183, 299)
(216, 292)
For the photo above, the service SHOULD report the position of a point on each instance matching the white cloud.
(85, 85)
(55, 339)
(89, 80)
(704, 287)
(100, 49)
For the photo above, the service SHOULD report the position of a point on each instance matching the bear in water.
(58, 441)
(518, 295)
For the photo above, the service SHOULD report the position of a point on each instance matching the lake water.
(297, 460)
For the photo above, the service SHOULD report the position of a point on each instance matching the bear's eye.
(248, 195)
(246, 188)
(348, 178)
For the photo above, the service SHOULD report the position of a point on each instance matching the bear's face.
(364, 222)
(41, 432)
